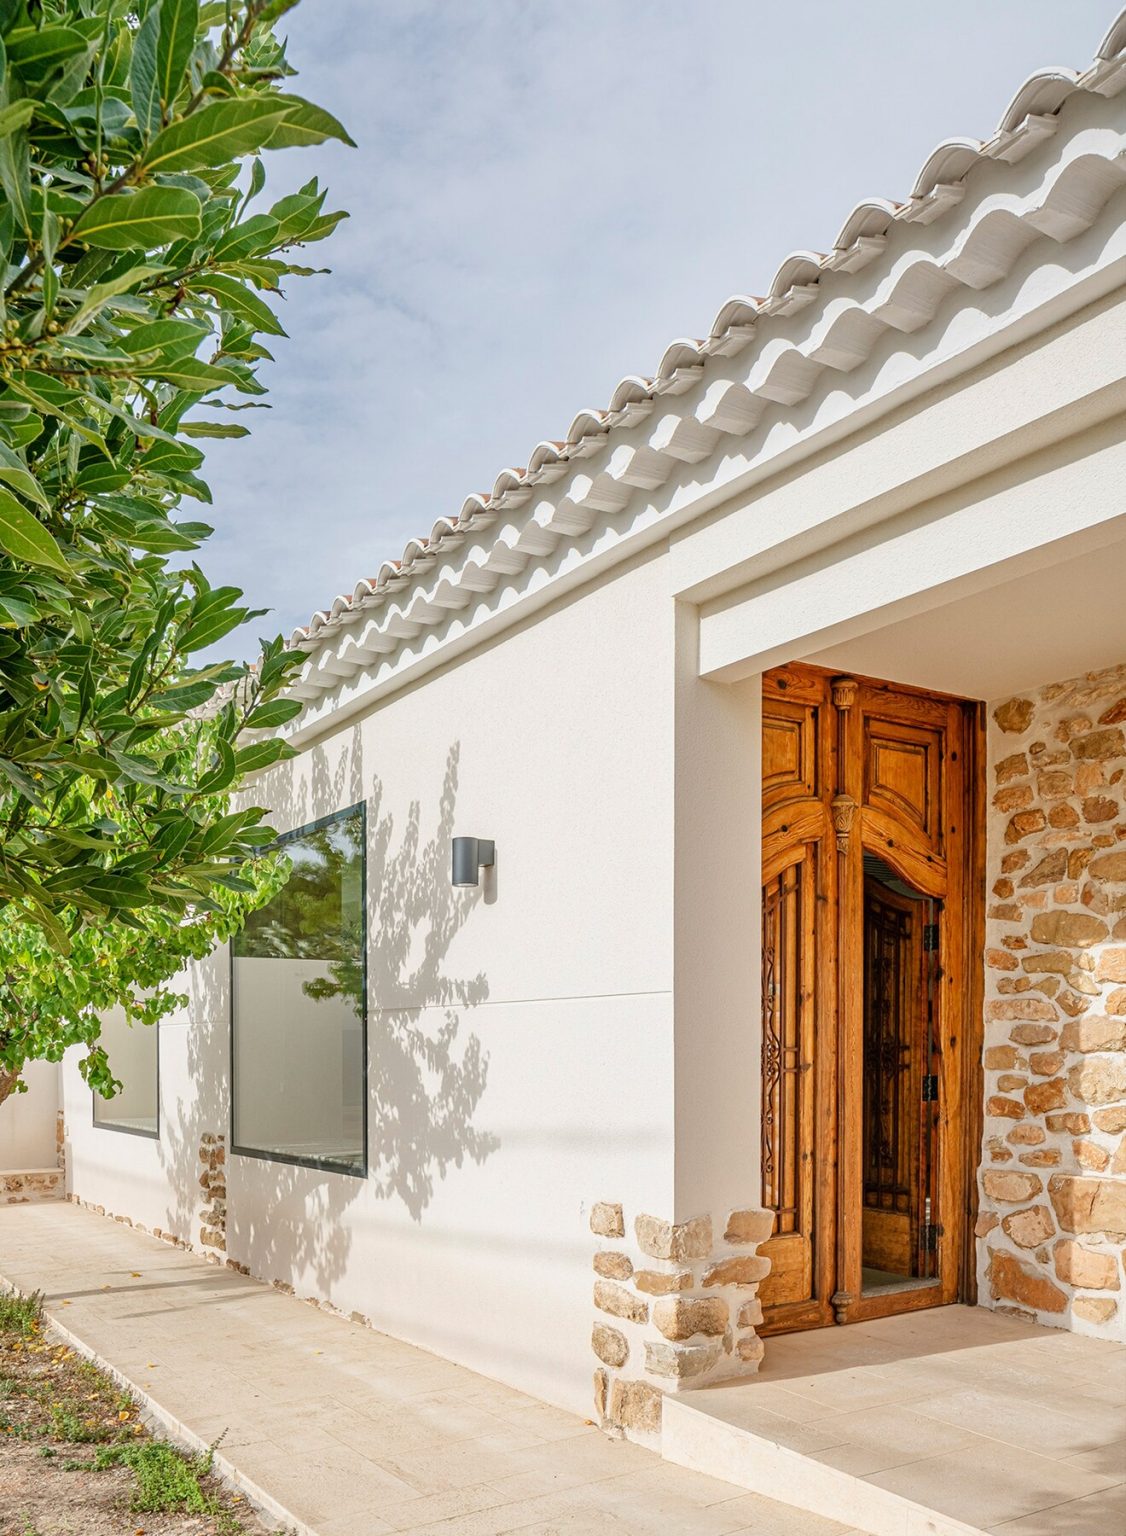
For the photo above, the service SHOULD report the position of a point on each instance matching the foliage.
(48, 1003)
(135, 263)
(21, 1315)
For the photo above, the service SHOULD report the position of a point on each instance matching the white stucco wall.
(520, 1035)
(27, 1120)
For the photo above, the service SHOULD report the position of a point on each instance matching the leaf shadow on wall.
(425, 1084)
(426, 1077)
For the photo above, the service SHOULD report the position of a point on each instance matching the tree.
(134, 283)
(132, 249)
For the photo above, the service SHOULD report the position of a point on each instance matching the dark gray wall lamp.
(470, 855)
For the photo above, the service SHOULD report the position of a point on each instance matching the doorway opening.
(870, 912)
(898, 1248)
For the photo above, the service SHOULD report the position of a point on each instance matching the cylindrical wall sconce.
(470, 855)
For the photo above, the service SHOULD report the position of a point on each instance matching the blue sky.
(542, 197)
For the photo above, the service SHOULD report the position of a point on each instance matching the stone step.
(700, 1439)
(24, 1185)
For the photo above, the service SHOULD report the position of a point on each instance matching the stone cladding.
(677, 1307)
(213, 1182)
(1052, 1213)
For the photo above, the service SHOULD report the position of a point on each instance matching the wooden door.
(798, 1055)
(866, 815)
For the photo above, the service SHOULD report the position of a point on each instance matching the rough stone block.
(679, 1317)
(1084, 1204)
(1094, 1309)
(737, 1271)
(636, 1405)
(1014, 715)
(681, 1362)
(1069, 930)
(750, 1349)
(1099, 1080)
(1077, 1265)
(609, 1344)
(613, 1266)
(1010, 1188)
(1040, 1097)
(749, 1227)
(750, 1314)
(619, 1302)
(1030, 1228)
(606, 1220)
(655, 1282)
(1012, 1280)
(677, 1241)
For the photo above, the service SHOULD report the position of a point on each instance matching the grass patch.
(80, 1422)
(21, 1315)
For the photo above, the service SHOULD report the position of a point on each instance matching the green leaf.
(36, 51)
(24, 537)
(143, 86)
(15, 176)
(139, 221)
(306, 124)
(213, 429)
(262, 754)
(15, 472)
(104, 293)
(276, 712)
(222, 774)
(178, 22)
(17, 116)
(192, 374)
(214, 135)
(239, 301)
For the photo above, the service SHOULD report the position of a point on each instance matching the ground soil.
(59, 1415)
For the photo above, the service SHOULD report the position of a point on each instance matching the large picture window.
(299, 1007)
(133, 1060)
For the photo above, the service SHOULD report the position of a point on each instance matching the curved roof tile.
(784, 372)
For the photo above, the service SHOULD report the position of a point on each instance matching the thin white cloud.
(542, 197)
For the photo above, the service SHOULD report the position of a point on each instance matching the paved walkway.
(340, 1431)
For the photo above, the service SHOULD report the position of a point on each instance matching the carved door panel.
(797, 1016)
(865, 808)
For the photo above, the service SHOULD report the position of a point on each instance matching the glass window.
(133, 1060)
(299, 1007)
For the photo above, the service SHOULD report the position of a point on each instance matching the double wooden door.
(867, 917)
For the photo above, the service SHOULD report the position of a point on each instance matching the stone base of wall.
(31, 1184)
(677, 1308)
(213, 1182)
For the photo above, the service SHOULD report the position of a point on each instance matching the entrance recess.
(868, 916)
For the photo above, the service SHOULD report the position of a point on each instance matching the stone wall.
(1052, 1218)
(676, 1307)
(213, 1183)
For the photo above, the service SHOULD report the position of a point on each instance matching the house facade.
(790, 690)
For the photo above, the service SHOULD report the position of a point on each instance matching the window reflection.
(299, 1006)
(132, 1052)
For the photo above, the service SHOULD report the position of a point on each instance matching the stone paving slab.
(336, 1430)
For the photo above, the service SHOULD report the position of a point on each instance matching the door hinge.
(931, 1234)
(930, 1088)
(930, 937)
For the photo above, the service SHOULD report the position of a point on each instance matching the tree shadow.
(426, 1076)
(423, 1091)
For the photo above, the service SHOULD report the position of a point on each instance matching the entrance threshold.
(881, 1282)
(954, 1421)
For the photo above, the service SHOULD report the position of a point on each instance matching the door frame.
(838, 1191)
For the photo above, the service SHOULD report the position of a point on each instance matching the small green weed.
(165, 1480)
(74, 1424)
(21, 1315)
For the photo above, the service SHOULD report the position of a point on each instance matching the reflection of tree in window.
(318, 913)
